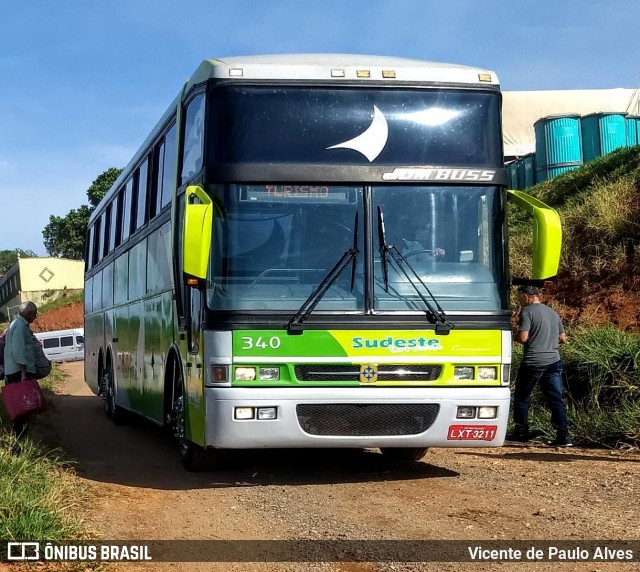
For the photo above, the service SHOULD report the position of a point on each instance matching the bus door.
(189, 304)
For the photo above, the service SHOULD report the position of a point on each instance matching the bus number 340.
(249, 343)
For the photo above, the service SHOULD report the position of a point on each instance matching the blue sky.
(82, 82)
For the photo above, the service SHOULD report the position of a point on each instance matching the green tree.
(101, 185)
(9, 257)
(65, 236)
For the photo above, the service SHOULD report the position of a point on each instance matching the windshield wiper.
(382, 240)
(294, 325)
(442, 324)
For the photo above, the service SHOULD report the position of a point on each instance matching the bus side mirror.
(547, 238)
(196, 237)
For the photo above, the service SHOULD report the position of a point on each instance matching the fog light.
(487, 373)
(245, 373)
(487, 412)
(269, 373)
(267, 413)
(463, 372)
(243, 413)
(466, 412)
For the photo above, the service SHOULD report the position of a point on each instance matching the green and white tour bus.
(311, 251)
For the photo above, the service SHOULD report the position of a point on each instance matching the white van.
(63, 345)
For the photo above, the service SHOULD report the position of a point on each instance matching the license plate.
(472, 432)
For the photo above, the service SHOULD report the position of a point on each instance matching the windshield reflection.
(274, 245)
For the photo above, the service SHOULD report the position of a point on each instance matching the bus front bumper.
(354, 417)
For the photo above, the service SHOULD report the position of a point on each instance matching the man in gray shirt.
(541, 331)
(19, 357)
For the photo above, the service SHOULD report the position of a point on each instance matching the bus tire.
(401, 454)
(194, 457)
(113, 411)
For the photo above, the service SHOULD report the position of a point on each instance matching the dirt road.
(140, 491)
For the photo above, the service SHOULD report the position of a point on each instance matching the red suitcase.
(23, 398)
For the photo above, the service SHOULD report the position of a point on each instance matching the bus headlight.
(269, 374)
(267, 413)
(466, 412)
(245, 373)
(487, 373)
(463, 372)
(487, 412)
(244, 413)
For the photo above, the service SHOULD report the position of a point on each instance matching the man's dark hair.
(529, 290)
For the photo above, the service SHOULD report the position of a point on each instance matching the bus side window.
(125, 207)
(88, 255)
(193, 138)
(141, 206)
(168, 168)
(97, 241)
(66, 341)
(155, 195)
(116, 233)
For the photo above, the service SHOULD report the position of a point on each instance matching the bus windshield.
(451, 237)
(273, 245)
(295, 125)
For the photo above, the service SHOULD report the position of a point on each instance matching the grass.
(64, 300)
(599, 205)
(39, 497)
(602, 388)
(596, 294)
(573, 186)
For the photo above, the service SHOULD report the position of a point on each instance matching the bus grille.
(376, 419)
(348, 372)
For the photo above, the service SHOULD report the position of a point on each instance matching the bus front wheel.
(401, 454)
(193, 456)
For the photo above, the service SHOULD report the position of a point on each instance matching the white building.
(39, 280)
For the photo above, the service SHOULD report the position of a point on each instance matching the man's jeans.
(550, 379)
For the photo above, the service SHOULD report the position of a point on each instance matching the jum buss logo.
(394, 344)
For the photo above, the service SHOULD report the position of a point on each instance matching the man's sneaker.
(517, 437)
(561, 442)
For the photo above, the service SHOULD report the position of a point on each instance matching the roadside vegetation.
(597, 296)
(39, 497)
(65, 300)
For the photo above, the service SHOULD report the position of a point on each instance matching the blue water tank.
(558, 145)
(512, 172)
(529, 170)
(521, 184)
(632, 130)
(602, 133)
